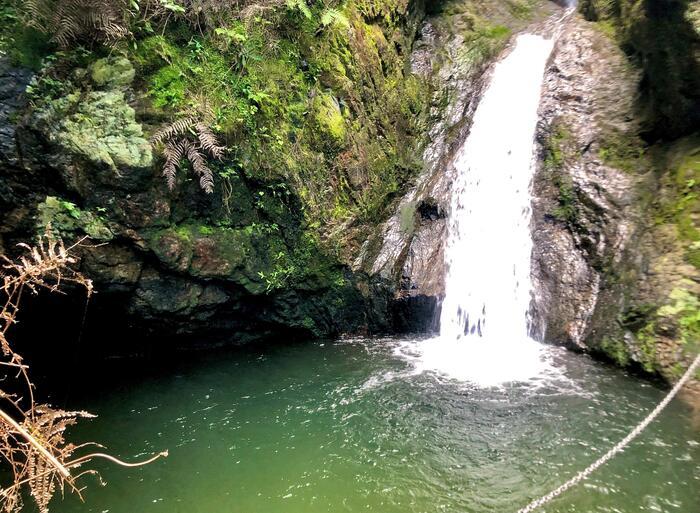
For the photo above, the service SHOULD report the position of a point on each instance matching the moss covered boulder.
(98, 125)
(112, 72)
(661, 37)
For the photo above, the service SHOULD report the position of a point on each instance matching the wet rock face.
(582, 205)
(13, 82)
(408, 249)
(662, 38)
(613, 236)
(160, 263)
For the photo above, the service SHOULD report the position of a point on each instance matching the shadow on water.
(350, 426)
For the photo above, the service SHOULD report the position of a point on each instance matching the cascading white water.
(484, 326)
(489, 244)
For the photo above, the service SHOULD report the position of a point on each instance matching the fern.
(177, 140)
(68, 21)
(301, 5)
(208, 140)
(173, 151)
(333, 16)
(52, 425)
(33, 449)
(176, 128)
(206, 177)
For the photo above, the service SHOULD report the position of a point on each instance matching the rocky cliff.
(455, 50)
(616, 210)
(320, 121)
(328, 208)
(328, 118)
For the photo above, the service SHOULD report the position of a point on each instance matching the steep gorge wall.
(322, 126)
(328, 214)
(456, 49)
(616, 198)
(327, 127)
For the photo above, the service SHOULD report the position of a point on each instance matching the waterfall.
(484, 321)
(488, 249)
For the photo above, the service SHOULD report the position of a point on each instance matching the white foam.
(477, 361)
(484, 322)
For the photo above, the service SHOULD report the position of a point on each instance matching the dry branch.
(32, 441)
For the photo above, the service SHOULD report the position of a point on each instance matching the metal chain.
(619, 447)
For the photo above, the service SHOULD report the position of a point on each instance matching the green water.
(347, 427)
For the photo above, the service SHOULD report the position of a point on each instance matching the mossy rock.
(112, 72)
(212, 252)
(677, 321)
(661, 38)
(98, 125)
(616, 350)
(329, 117)
(68, 221)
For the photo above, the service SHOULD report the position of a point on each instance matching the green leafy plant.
(171, 6)
(332, 16)
(301, 6)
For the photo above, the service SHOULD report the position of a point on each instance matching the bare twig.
(32, 438)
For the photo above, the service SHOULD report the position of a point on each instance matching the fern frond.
(176, 138)
(42, 481)
(174, 129)
(209, 141)
(332, 16)
(301, 5)
(68, 21)
(173, 152)
(36, 456)
(206, 177)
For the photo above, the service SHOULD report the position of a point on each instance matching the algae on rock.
(98, 125)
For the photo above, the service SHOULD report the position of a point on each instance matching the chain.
(619, 447)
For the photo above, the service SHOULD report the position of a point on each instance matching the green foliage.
(172, 6)
(167, 87)
(646, 344)
(332, 16)
(328, 16)
(615, 349)
(678, 318)
(69, 221)
(153, 52)
(692, 254)
(679, 204)
(558, 149)
(622, 151)
(521, 8)
(482, 42)
(314, 94)
(258, 256)
(24, 45)
(300, 5)
(281, 273)
(299, 103)
(684, 308)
